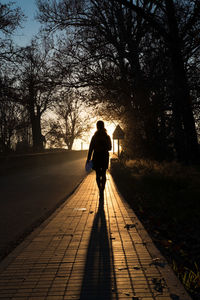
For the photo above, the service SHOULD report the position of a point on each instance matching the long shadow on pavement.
(97, 281)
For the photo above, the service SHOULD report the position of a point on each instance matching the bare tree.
(10, 19)
(10, 112)
(36, 86)
(10, 118)
(72, 121)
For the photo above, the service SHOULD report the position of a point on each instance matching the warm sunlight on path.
(89, 250)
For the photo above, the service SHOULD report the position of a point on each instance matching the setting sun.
(110, 127)
(84, 144)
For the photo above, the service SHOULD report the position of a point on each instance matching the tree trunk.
(38, 142)
(185, 131)
(70, 142)
(35, 118)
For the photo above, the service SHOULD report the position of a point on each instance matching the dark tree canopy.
(136, 54)
(10, 18)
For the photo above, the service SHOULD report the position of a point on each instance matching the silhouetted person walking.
(99, 146)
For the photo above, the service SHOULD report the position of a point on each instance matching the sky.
(23, 36)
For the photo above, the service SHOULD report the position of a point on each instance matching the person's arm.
(91, 148)
(109, 143)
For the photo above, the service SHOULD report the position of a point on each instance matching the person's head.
(100, 125)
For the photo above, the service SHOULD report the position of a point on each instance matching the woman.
(99, 146)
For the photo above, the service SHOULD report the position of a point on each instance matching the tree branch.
(147, 16)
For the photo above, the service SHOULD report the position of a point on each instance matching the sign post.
(118, 134)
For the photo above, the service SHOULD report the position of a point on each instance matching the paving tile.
(88, 250)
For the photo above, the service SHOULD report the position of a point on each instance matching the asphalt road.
(29, 196)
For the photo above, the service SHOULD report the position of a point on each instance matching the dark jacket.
(99, 146)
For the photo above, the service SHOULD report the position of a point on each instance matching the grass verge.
(166, 198)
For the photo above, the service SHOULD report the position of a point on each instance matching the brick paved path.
(89, 250)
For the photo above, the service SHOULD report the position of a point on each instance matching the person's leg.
(103, 178)
(98, 178)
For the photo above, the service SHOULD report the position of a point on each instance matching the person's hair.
(100, 125)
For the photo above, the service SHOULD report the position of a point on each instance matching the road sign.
(118, 133)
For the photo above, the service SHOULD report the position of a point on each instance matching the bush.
(165, 196)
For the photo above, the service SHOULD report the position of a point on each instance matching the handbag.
(88, 166)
